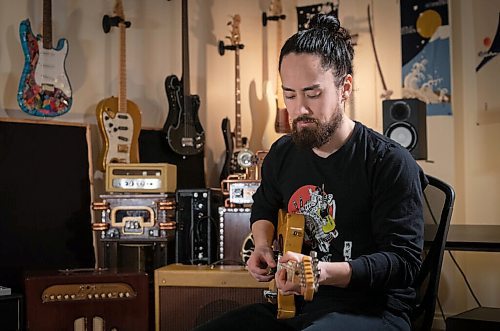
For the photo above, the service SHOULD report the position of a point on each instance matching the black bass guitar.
(183, 130)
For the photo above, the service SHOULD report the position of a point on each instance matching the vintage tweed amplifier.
(141, 177)
(189, 295)
(87, 300)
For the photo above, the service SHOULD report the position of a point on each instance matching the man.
(360, 194)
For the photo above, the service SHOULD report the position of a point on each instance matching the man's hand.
(285, 286)
(261, 262)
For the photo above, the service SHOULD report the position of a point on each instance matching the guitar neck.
(237, 129)
(122, 91)
(47, 24)
(185, 50)
(279, 91)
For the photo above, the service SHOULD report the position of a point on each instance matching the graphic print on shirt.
(318, 208)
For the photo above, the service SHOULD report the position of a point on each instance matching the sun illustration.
(428, 22)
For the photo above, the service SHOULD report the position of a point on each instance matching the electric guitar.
(183, 129)
(290, 236)
(237, 157)
(281, 123)
(119, 119)
(44, 89)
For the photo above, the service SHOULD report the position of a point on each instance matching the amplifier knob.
(66, 297)
(52, 297)
(73, 296)
(59, 297)
(127, 294)
(96, 296)
(121, 294)
(89, 296)
(103, 295)
(110, 295)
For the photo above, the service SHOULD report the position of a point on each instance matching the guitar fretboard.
(122, 91)
(47, 24)
(237, 128)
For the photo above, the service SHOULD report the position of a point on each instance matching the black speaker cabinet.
(11, 312)
(405, 121)
(187, 295)
(196, 232)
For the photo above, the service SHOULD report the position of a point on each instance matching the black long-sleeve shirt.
(363, 205)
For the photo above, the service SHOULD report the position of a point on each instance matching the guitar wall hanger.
(109, 21)
(266, 18)
(222, 47)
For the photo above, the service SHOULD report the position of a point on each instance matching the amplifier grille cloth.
(183, 307)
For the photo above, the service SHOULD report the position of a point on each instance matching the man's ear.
(347, 87)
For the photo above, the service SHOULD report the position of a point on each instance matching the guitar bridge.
(122, 148)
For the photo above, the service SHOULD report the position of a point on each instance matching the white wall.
(463, 153)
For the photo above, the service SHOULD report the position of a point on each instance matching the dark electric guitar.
(183, 129)
(44, 88)
(237, 157)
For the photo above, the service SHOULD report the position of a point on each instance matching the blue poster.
(425, 42)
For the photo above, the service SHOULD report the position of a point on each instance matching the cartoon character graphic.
(318, 208)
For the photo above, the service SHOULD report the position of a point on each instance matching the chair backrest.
(439, 198)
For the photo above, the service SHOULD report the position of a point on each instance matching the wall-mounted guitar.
(183, 129)
(281, 123)
(119, 119)
(237, 157)
(44, 89)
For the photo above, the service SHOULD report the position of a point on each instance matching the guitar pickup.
(270, 295)
(122, 148)
(122, 138)
(125, 128)
(122, 117)
(187, 142)
(48, 87)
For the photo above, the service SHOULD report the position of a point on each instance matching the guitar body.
(290, 236)
(228, 141)
(44, 89)
(185, 134)
(119, 132)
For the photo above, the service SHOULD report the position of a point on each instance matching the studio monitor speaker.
(189, 295)
(405, 121)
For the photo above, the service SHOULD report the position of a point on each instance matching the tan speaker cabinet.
(189, 295)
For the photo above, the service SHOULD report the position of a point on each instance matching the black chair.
(439, 198)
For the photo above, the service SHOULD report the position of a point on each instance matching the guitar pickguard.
(119, 131)
(44, 89)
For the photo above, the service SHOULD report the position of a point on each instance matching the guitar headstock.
(305, 273)
(118, 10)
(235, 30)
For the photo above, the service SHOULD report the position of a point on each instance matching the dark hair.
(327, 39)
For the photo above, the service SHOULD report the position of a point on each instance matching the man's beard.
(317, 136)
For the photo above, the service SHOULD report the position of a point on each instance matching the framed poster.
(486, 16)
(425, 42)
